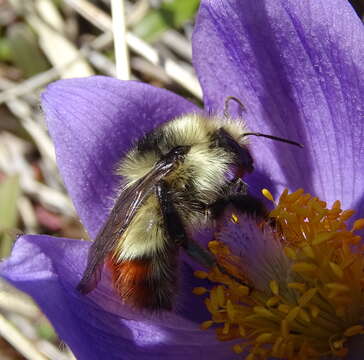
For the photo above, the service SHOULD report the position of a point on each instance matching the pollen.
(304, 295)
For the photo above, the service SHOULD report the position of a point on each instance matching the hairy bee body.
(144, 261)
(170, 181)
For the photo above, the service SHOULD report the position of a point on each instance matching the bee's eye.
(181, 150)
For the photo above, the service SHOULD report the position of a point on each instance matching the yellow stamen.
(290, 253)
(243, 290)
(293, 314)
(336, 270)
(358, 225)
(201, 274)
(238, 349)
(298, 286)
(322, 237)
(347, 214)
(263, 338)
(234, 218)
(207, 324)
(354, 330)
(273, 301)
(337, 287)
(291, 198)
(304, 267)
(307, 296)
(304, 316)
(314, 310)
(268, 194)
(284, 308)
(263, 312)
(312, 303)
(308, 251)
(274, 287)
(199, 290)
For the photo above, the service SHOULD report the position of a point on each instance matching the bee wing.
(123, 212)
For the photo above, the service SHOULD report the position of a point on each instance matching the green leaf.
(5, 52)
(46, 331)
(180, 11)
(9, 193)
(151, 26)
(25, 52)
(171, 14)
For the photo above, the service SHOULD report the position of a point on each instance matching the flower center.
(305, 274)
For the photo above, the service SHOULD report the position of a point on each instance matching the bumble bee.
(176, 179)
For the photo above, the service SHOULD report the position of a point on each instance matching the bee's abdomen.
(144, 283)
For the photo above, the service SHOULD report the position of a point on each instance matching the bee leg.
(237, 186)
(176, 230)
(244, 203)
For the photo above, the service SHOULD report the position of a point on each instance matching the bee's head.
(242, 154)
(176, 155)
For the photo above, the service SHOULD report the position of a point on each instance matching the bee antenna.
(238, 101)
(273, 138)
(226, 105)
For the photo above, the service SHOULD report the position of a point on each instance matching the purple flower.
(298, 68)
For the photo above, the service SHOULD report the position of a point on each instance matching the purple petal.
(93, 122)
(356, 348)
(99, 326)
(298, 68)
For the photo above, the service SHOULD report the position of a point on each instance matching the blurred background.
(42, 41)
